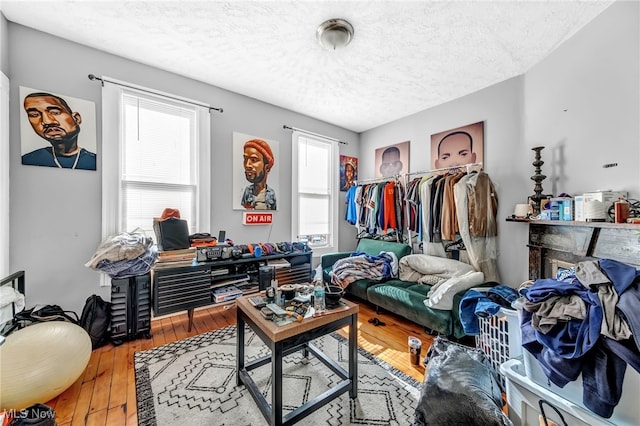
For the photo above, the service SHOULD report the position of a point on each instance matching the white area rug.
(193, 382)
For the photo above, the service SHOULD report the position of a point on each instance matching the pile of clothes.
(586, 322)
(360, 266)
(123, 255)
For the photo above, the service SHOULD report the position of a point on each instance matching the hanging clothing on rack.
(449, 221)
(412, 199)
(376, 208)
(430, 245)
(351, 214)
(476, 209)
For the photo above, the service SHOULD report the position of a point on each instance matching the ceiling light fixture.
(334, 34)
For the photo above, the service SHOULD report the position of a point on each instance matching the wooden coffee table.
(286, 339)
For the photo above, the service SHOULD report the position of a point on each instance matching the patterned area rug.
(193, 382)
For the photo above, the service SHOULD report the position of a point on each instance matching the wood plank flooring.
(106, 395)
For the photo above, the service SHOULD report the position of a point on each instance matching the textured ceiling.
(405, 57)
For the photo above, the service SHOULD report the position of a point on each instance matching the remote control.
(258, 301)
(276, 309)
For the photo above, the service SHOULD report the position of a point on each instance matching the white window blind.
(159, 167)
(156, 155)
(315, 190)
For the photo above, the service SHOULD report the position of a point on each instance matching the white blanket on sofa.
(441, 295)
(447, 277)
(426, 269)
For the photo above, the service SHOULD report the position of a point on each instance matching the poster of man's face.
(348, 172)
(392, 160)
(255, 172)
(57, 130)
(457, 147)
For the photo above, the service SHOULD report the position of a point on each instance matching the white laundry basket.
(500, 338)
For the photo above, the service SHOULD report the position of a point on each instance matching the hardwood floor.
(106, 393)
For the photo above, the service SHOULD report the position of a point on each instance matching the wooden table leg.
(353, 356)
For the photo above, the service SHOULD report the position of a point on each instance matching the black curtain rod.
(314, 134)
(102, 81)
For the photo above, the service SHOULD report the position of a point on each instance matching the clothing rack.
(377, 180)
(395, 178)
(468, 168)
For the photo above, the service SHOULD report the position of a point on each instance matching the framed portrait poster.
(348, 172)
(457, 147)
(255, 173)
(392, 160)
(57, 130)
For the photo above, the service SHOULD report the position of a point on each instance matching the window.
(156, 154)
(315, 192)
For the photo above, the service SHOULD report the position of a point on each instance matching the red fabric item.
(167, 213)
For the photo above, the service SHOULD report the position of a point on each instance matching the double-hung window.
(156, 154)
(315, 192)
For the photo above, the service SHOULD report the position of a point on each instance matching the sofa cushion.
(359, 288)
(374, 247)
(407, 300)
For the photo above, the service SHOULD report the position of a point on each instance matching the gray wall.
(55, 214)
(594, 76)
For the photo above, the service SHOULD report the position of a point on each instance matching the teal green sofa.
(403, 298)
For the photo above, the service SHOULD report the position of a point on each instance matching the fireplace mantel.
(567, 242)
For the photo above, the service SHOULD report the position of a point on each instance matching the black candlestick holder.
(538, 177)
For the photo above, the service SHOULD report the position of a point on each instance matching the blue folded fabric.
(476, 304)
(467, 311)
(620, 274)
(503, 295)
(486, 308)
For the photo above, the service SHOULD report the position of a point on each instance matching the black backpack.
(96, 319)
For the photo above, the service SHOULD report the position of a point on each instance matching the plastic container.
(627, 412)
(318, 298)
(523, 396)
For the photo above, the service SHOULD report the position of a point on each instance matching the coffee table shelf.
(286, 339)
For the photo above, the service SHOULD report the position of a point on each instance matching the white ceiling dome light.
(334, 34)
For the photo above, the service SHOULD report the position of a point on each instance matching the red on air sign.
(250, 218)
